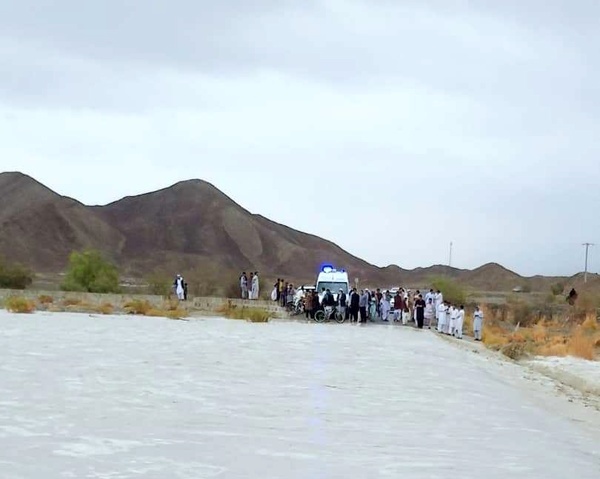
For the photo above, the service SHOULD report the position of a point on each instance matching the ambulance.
(333, 280)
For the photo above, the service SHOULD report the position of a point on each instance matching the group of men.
(426, 311)
(249, 287)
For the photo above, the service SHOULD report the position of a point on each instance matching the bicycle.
(328, 314)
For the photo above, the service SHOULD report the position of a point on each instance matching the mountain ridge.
(190, 225)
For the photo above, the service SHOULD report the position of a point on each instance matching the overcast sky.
(389, 127)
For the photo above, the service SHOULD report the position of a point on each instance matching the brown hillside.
(40, 228)
(192, 227)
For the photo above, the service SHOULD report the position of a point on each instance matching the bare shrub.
(18, 304)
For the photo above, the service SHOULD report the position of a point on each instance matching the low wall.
(198, 304)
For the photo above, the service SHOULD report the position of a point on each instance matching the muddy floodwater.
(131, 397)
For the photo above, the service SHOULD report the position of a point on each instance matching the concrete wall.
(199, 304)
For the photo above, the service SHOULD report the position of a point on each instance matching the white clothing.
(397, 314)
(452, 322)
(439, 299)
(442, 310)
(179, 288)
(478, 324)
(460, 320)
(244, 287)
(384, 308)
(429, 314)
(255, 287)
(405, 316)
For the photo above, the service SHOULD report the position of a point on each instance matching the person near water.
(420, 311)
(363, 304)
(477, 323)
(244, 285)
(178, 284)
(354, 305)
(185, 291)
(429, 313)
(452, 323)
(255, 286)
(398, 306)
(442, 317)
(460, 321)
(341, 303)
(384, 307)
(438, 301)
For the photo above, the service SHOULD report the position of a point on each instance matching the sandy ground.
(125, 397)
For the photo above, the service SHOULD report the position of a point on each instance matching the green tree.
(14, 276)
(451, 290)
(89, 272)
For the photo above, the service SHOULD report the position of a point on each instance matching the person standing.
(442, 317)
(308, 304)
(384, 307)
(244, 285)
(341, 303)
(452, 323)
(460, 321)
(478, 324)
(438, 301)
(255, 286)
(363, 304)
(354, 305)
(398, 306)
(420, 311)
(429, 313)
(178, 284)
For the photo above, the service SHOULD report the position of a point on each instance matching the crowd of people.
(400, 305)
(403, 306)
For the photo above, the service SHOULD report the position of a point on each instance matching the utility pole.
(450, 255)
(587, 247)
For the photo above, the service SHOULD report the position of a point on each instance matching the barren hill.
(190, 227)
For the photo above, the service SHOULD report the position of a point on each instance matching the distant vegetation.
(451, 290)
(14, 276)
(89, 272)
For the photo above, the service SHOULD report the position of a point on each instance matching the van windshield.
(334, 287)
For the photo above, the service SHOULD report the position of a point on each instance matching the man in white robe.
(452, 323)
(441, 316)
(384, 307)
(244, 285)
(460, 321)
(179, 288)
(438, 298)
(255, 286)
(477, 324)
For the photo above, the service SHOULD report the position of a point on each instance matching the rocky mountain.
(190, 227)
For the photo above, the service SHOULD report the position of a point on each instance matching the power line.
(587, 247)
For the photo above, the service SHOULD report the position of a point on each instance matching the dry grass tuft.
(137, 306)
(45, 299)
(71, 302)
(552, 350)
(581, 345)
(167, 313)
(254, 315)
(539, 333)
(18, 304)
(106, 308)
(590, 323)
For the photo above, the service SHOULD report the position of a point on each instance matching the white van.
(333, 280)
